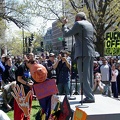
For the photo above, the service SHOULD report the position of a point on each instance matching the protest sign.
(22, 99)
(66, 113)
(112, 43)
(45, 88)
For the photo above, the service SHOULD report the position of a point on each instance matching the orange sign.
(21, 99)
(79, 114)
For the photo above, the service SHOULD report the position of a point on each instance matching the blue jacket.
(2, 69)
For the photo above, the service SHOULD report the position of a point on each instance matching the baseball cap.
(95, 62)
(82, 15)
(51, 54)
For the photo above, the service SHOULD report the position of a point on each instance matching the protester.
(99, 87)
(10, 71)
(18, 61)
(42, 59)
(105, 70)
(31, 56)
(99, 59)
(114, 81)
(49, 66)
(3, 59)
(112, 60)
(24, 78)
(95, 67)
(84, 52)
(118, 79)
(63, 67)
(7, 97)
(2, 69)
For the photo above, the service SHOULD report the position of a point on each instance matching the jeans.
(114, 89)
(64, 88)
(108, 90)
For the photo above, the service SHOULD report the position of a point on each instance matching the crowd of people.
(104, 70)
(15, 71)
(109, 75)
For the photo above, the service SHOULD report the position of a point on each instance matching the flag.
(66, 112)
(79, 114)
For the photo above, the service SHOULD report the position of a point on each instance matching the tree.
(47, 9)
(104, 15)
(14, 11)
(36, 42)
(11, 11)
(14, 47)
(49, 47)
(2, 28)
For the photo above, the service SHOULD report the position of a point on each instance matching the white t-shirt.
(104, 69)
(114, 75)
(3, 116)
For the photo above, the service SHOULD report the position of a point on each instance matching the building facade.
(47, 42)
(56, 34)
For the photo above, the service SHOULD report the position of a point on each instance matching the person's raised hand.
(65, 21)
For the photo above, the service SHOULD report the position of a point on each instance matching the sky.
(37, 22)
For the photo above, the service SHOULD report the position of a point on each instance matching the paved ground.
(72, 92)
(104, 108)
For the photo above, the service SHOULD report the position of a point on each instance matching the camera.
(62, 54)
(97, 78)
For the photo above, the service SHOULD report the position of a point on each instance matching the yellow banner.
(112, 43)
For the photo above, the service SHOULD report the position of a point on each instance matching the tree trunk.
(100, 46)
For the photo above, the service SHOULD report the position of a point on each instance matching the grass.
(34, 110)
